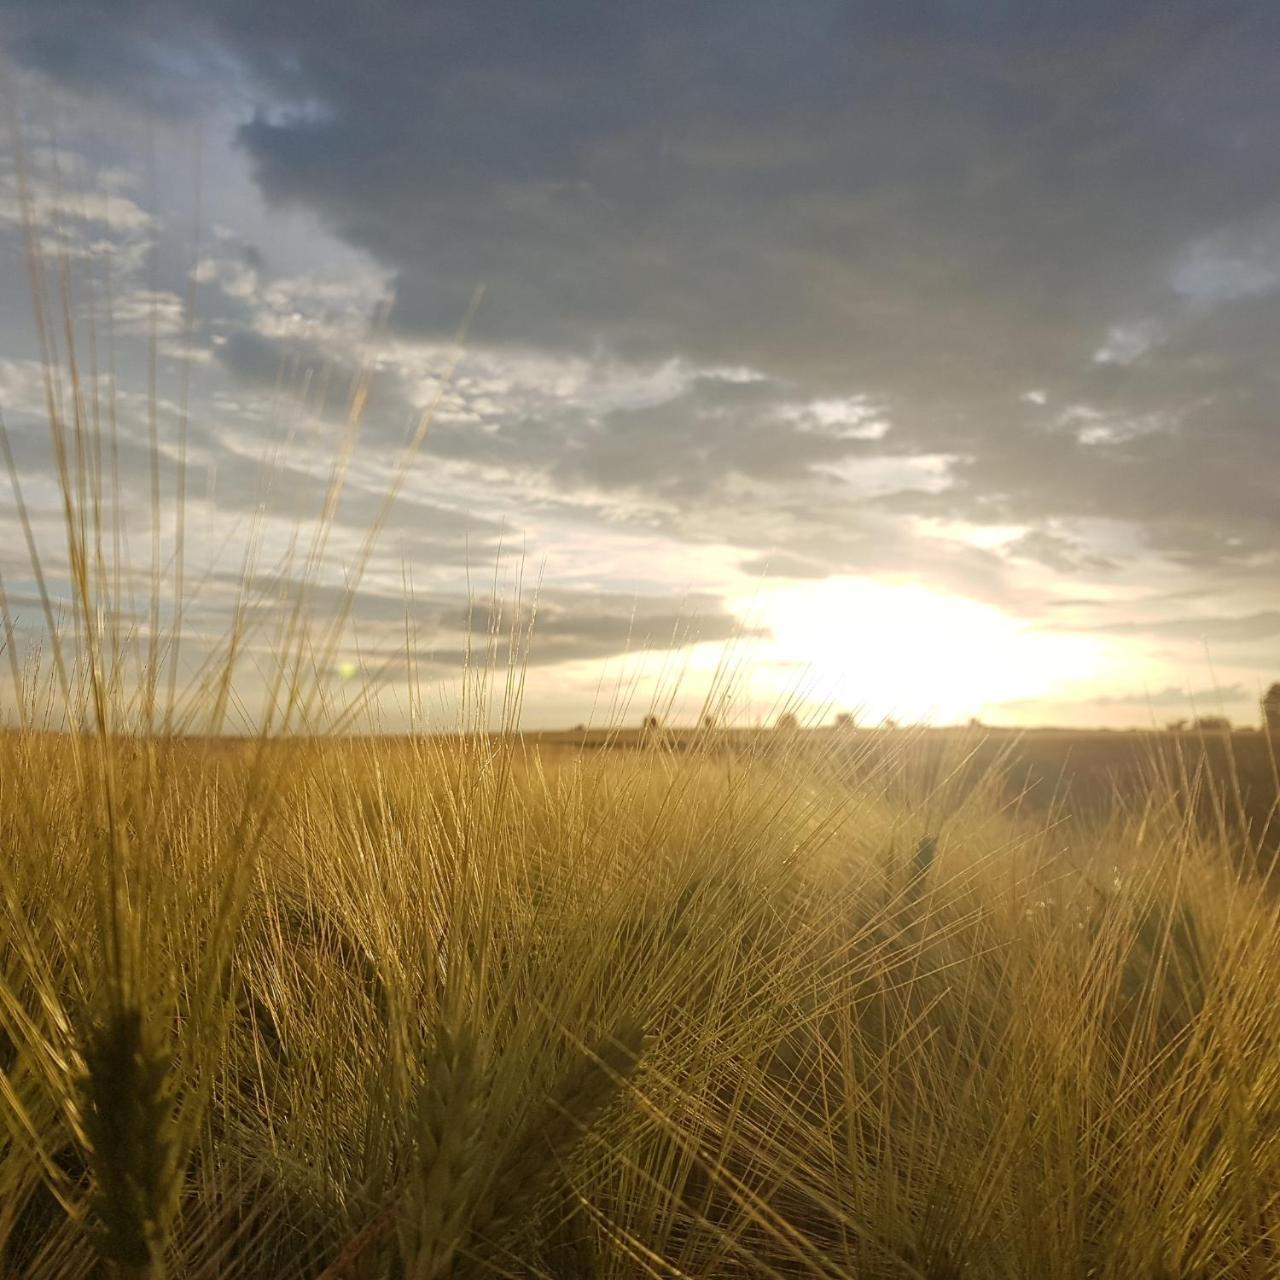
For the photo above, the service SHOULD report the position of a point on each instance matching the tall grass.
(1051, 1053)
(296, 1004)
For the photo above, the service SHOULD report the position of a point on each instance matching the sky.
(910, 359)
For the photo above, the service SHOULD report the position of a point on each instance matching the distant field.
(1083, 774)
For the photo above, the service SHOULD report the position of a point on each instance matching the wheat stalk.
(567, 1115)
(435, 1217)
(128, 1114)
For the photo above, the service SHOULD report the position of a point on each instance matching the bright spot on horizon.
(918, 655)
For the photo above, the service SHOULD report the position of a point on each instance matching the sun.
(913, 653)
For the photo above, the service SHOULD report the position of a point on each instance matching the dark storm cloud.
(1043, 236)
(159, 56)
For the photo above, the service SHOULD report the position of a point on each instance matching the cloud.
(820, 287)
(575, 625)
(1172, 697)
(1182, 698)
(1223, 630)
(553, 626)
(1055, 551)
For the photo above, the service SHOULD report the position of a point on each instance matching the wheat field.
(453, 1007)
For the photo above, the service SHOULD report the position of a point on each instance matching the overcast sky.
(890, 338)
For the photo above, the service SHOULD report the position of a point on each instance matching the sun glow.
(903, 650)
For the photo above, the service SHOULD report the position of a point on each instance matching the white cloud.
(848, 417)
(143, 312)
(872, 477)
(1129, 341)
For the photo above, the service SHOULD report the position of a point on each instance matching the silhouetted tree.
(651, 724)
(1176, 726)
(1271, 709)
(844, 720)
(1212, 724)
(786, 723)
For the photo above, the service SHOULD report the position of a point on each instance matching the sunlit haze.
(906, 652)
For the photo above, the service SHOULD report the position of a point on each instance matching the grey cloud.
(1243, 629)
(689, 451)
(260, 360)
(940, 212)
(836, 192)
(1172, 697)
(684, 447)
(439, 534)
(941, 207)
(558, 625)
(574, 625)
(1056, 552)
(140, 51)
(785, 566)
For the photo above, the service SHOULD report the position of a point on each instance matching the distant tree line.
(1271, 709)
(1270, 703)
